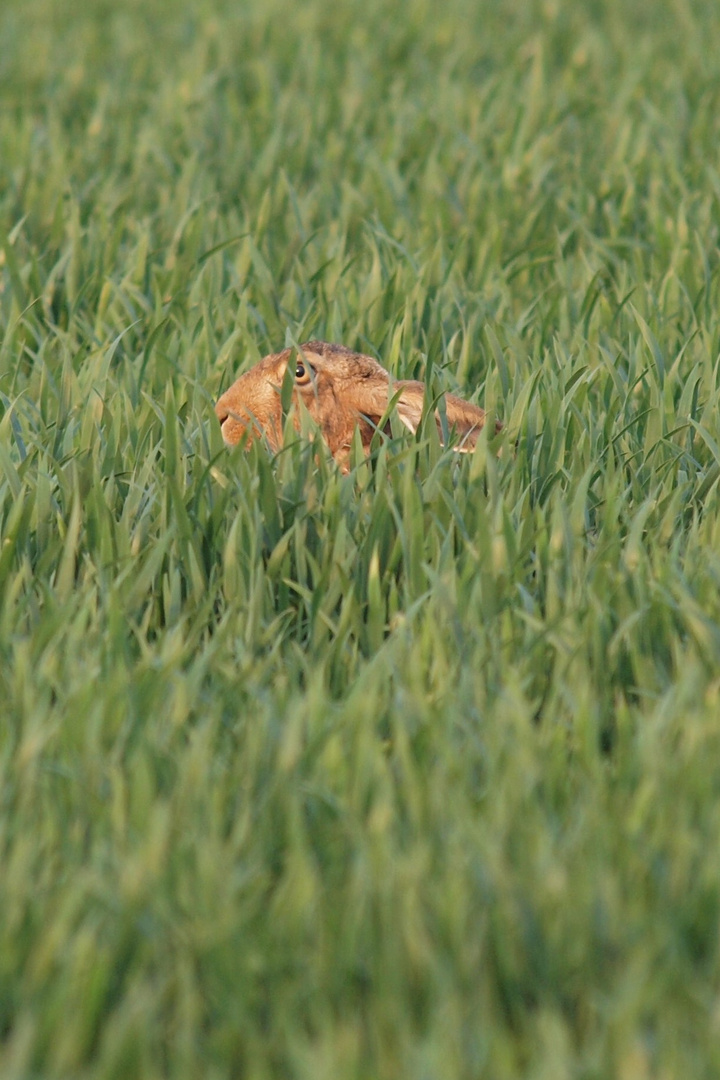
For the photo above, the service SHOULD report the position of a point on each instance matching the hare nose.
(221, 412)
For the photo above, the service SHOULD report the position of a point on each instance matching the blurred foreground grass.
(408, 773)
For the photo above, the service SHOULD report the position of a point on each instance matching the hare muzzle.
(251, 407)
(231, 424)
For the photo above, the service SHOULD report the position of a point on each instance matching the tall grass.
(413, 772)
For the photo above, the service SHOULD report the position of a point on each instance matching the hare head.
(341, 390)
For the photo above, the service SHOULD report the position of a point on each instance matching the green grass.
(409, 773)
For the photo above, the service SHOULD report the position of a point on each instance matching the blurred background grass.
(411, 772)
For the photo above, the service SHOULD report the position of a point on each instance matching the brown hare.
(341, 390)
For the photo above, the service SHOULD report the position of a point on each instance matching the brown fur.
(342, 390)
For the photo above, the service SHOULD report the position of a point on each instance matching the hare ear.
(371, 401)
(464, 419)
(410, 405)
(467, 421)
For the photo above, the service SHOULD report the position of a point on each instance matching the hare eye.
(302, 372)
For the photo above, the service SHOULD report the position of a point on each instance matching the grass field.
(409, 773)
